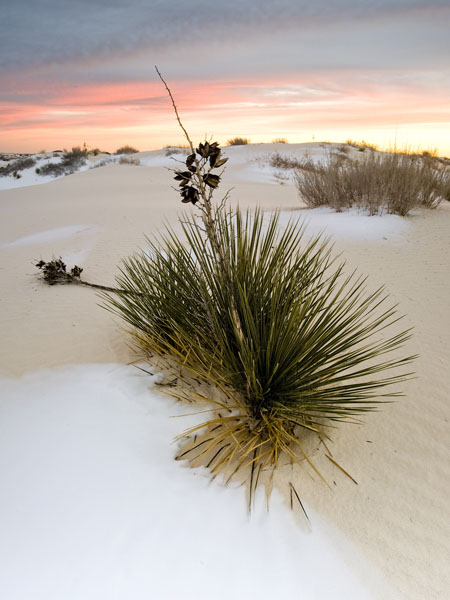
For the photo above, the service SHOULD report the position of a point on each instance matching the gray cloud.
(60, 32)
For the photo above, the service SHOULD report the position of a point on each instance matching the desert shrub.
(362, 146)
(281, 161)
(289, 339)
(103, 163)
(76, 156)
(238, 141)
(126, 150)
(392, 182)
(16, 166)
(53, 169)
(70, 163)
(171, 150)
(124, 160)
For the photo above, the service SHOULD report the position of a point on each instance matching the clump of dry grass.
(344, 149)
(392, 182)
(70, 163)
(103, 163)
(362, 146)
(171, 150)
(125, 160)
(14, 167)
(238, 141)
(284, 162)
(126, 150)
(96, 152)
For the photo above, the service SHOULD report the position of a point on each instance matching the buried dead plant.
(263, 315)
(55, 272)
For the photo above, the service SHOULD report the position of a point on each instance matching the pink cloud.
(307, 101)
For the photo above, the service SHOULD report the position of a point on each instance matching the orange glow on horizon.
(326, 107)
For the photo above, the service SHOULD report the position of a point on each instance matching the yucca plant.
(265, 316)
(303, 352)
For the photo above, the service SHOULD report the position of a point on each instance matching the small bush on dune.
(171, 150)
(126, 150)
(362, 146)
(344, 149)
(53, 169)
(76, 155)
(281, 161)
(238, 141)
(103, 163)
(16, 166)
(70, 163)
(394, 182)
(124, 160)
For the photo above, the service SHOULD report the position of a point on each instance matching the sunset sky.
(74, 71)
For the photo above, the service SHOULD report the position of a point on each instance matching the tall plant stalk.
(205, 186)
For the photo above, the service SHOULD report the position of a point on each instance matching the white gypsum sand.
(397, 518)
(95, 506)
(51, 235)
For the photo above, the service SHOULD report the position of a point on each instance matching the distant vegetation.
(362, 146)
(126, 150)
(103, 163)
(70, 163)
(280, 141)
(13, 168)
(96, 152)
(238, 141)
(124, 160)
(171, 150)
(281, 161)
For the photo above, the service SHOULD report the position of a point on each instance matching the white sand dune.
(96, 507)
(102, 535)
(51, 235)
